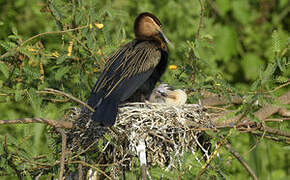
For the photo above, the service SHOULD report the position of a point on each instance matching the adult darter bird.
(138, 64)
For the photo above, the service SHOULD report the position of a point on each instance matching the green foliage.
(239, 52)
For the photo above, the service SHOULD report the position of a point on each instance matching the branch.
(54, 123)
(91, 166)
(63, 152)
(268, 109)
(264, 112)
(200, 19)
(241, 160)
(38, 35)
(220, 100)
(281, 140)
(10, 160)
(54, 91)
(274, 131)
(224, 139)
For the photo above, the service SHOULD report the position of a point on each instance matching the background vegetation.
(236, 47)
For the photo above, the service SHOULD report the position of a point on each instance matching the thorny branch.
(241, 160)
(223, 140)
(91, 166)
(53, 123)
(63, 152)
(202, 9)
(54, 91)
(39, 35)
(264, 112)
(10, 160)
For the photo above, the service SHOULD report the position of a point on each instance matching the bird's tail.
(106, 112)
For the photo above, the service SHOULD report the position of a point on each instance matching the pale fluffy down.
(176, 98)
(164, 94)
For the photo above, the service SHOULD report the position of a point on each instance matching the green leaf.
(276, 42)
(251, 64)
(282, 79)
(224, 6)
(226, 43)
(241, 11)
(14, 30)
(4, 69)
(18, 95)
(108, 137)
(35, 101)
(61, 72)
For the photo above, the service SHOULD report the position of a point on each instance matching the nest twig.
(167, 132)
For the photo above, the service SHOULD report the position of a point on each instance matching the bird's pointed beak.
(164, 38)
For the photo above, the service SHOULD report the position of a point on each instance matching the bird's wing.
(126, 70)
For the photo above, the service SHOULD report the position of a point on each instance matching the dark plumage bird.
(137, 65)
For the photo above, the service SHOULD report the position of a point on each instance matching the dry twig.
(63, 152)
(53, 123)
(54, 91)
(202, 9)
(241, 160)
(10, 160)
(38, 35)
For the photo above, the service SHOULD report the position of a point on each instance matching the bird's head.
(148, 27)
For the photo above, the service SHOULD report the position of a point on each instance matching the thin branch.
(38, 35)
(264, 112)
(275, 131)
(277, 139)
(224, 139)
(54, 123)
(80, 169)
(221, 100)
(255, 145)
(54, 91)
(63, 152)
(10, 160)
(91, 166)
(202, 9)
(241, 160)
(279, 87)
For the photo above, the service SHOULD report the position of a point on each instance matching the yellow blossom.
(91, 26)
(55, 54)
(69, 49)
(99, 52)
(32, 62)
(31, 49)
(99, 25)
(95, 69)
(173, 67)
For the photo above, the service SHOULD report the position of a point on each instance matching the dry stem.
(241, 160)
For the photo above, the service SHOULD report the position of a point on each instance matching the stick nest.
(167, 131)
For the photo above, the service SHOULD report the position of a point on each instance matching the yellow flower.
(95, 69)
(99, 52)
(173, 67)
(91, 26)
(31, 49)
(55, 54)
(69, 49)
(99, 25)
(32, 63)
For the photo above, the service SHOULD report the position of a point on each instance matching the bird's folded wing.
(132, 62)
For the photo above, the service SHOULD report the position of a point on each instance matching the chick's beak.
(164, 38)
